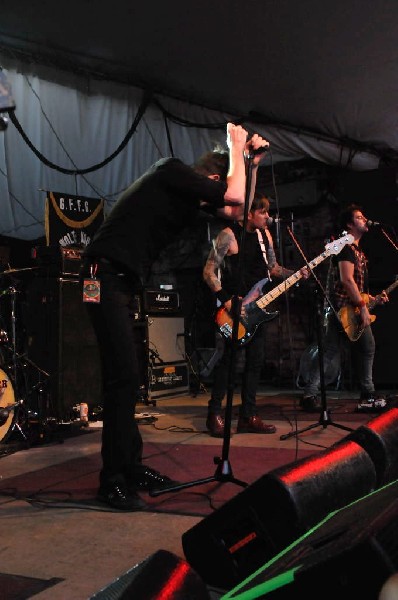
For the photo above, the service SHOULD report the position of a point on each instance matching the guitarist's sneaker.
(215, 425)
(254, 425)
(372, 403)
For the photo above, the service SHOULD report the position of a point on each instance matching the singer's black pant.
(112, 320)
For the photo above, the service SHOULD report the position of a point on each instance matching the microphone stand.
(223, 472)
(324, 417)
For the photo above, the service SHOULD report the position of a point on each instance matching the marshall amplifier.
(161, 301)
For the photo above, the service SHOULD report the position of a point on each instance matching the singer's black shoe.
(150, 480)
(117, 496)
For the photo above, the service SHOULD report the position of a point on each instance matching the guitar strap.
(263, 250)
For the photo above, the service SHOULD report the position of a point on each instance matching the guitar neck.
(390, 288)
(287, 283)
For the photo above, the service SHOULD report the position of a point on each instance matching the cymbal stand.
(14, 364)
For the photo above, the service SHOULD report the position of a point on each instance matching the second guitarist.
(220, 274)
(347, 284)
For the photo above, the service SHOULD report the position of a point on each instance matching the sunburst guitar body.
(350, 316)
(254, 311)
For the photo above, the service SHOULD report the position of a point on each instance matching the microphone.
(373, 223)
(5, 411)
(260, 150)
(272, 220)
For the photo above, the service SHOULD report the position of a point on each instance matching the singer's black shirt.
(151, 213)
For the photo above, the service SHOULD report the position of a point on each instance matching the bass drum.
(6, 399)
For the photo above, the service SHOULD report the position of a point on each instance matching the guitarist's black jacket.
(254, 266)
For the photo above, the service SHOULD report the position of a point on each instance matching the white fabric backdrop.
(77, 122)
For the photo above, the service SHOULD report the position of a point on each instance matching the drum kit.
(15, 385)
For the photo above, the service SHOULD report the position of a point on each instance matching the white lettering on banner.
(75, 205)
(84, 238)
(69, 239)
(73, 238)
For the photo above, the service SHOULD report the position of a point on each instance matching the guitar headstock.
(337, 245)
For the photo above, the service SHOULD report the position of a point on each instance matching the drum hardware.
(25, 401)
(14, 411)
(13, 271)
(5, 411)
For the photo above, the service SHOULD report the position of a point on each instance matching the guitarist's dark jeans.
(363, 351)
(254, 359)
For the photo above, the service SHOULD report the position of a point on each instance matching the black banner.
(72, 220)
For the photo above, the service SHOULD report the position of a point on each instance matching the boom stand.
(324, 418)
(223, 472)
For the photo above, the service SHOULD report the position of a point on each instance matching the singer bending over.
(259, 263)
(347, 281)
(146, 218)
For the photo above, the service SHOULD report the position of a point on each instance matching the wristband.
(361, 304)
(223, 296)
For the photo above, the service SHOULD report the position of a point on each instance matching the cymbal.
(11, 271)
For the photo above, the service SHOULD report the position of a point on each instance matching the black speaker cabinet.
(349, 554)
(272, 512)
(160, 576)
(62, 342)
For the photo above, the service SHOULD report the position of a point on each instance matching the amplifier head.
(161, 301)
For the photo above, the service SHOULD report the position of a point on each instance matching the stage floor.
(64, 543)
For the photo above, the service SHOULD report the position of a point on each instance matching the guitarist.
(347, 280)
(259, 262)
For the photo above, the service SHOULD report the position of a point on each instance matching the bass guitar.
(254, 311)
(350, 316)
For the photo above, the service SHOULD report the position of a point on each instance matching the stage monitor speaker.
(61, 341)
(161, 576)
(350, 554)
(166, 337)
(271, 513)
(379, 437)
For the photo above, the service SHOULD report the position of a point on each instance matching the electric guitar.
(254, 313)
(350, 316)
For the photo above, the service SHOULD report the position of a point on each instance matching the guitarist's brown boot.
(215, 425)
(254, 425)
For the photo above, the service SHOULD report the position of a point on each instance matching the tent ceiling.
(329, 67)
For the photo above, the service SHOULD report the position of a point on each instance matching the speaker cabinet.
(349, 554)
(167, 338)
(62, 342)
(272, 512)
(162, 575)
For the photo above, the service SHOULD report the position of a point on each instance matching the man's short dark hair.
(213, 163)
(346, 215)
(260, 201)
